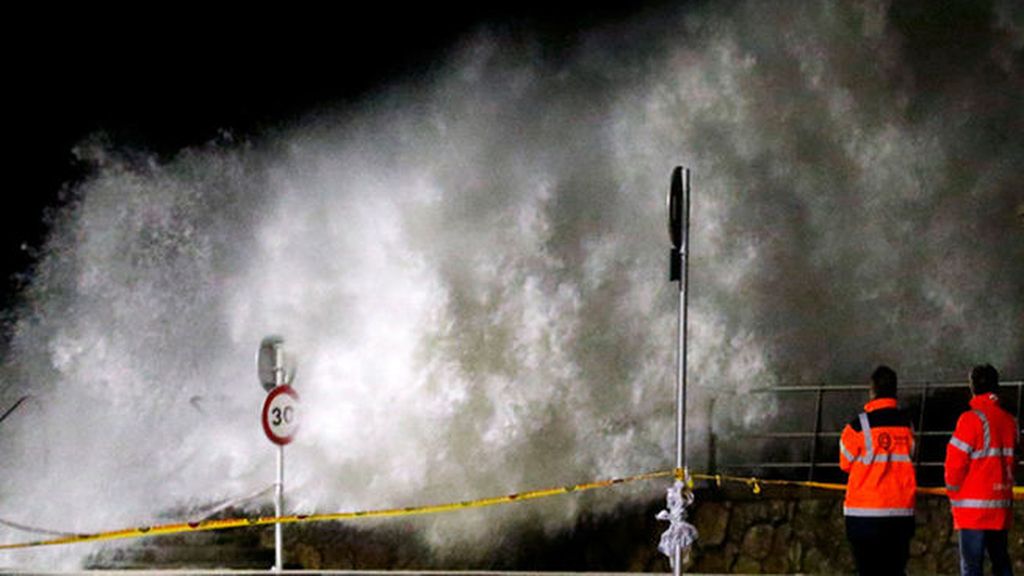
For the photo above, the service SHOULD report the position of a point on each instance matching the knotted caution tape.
(681, 535)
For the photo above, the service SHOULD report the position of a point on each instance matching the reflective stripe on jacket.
(979, 466)
(876, 450)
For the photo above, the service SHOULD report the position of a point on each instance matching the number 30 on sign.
(280, 414)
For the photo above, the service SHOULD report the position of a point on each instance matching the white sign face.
(280, 414)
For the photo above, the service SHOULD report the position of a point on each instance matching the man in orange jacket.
(876, 449)
(979, 476)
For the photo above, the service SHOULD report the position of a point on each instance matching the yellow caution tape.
(226, 523)
(755, 484)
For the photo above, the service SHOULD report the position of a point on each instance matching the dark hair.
(984, 379)
(883, 382)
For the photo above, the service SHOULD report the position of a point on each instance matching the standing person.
(979, 476)
(875, 449)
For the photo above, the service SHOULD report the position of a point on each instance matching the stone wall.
(804, 532)
(774, 532)
(777, 531)
(786, 533)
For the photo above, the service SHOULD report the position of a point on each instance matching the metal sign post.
(279, 421)
(279, 488)
(278, 511)
(679, 232)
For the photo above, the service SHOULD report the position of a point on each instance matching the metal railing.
(947, 399)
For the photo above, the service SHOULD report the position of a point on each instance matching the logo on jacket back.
(884, 441)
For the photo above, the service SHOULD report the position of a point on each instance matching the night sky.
(157, 81)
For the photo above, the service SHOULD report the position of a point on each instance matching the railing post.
(817, 431)
(920, 430)
(712, 462)
(1016, 457)
(1019, 385)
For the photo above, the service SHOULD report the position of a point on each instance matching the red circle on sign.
(268, 429)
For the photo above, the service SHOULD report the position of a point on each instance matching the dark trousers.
(974, 544)
(881, 546)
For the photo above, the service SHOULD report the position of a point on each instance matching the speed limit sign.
(280, 418)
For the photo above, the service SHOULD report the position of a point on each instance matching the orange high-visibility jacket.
(979, 466)
(876, 450)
